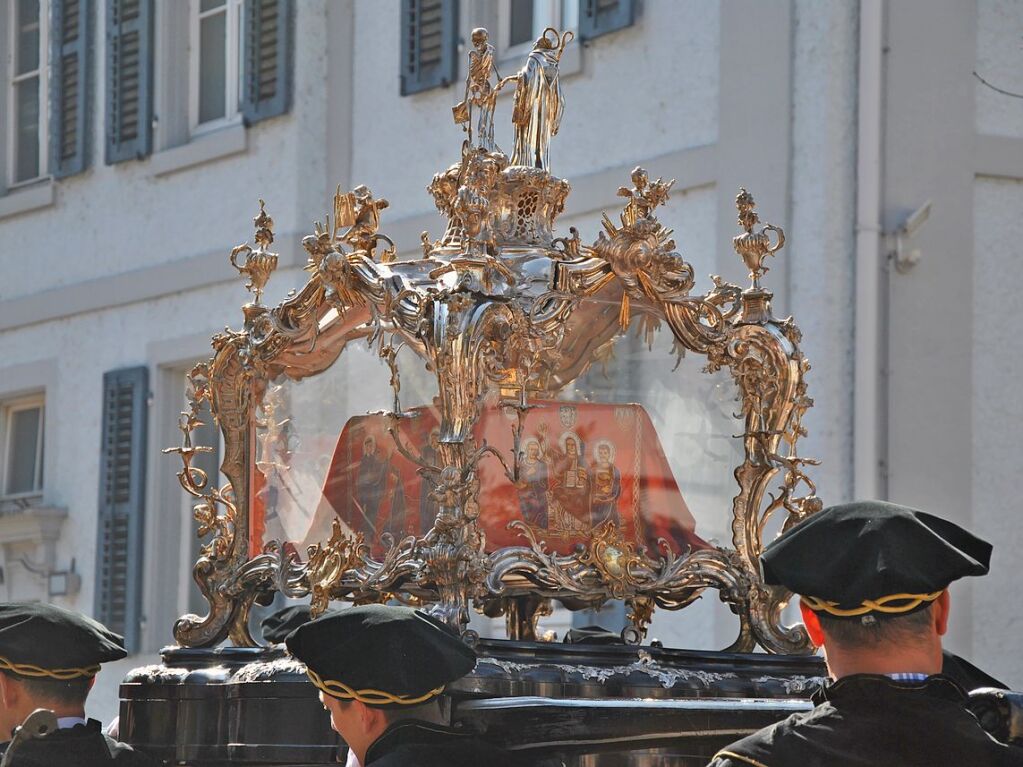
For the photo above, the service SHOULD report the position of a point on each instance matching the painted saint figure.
(372, 486)
(607, 486)
(571, 483)
(539, 104)
(533, 485)
(480, 93)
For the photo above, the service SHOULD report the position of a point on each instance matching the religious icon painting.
(578, 466)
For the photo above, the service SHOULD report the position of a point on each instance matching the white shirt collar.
(67, 722)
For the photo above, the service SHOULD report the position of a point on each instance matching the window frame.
(234, 10)
(11, 80)
(555, 13)
(8, 408)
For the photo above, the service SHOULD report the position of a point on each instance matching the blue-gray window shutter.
(601, 17)
(122, 480)
(129, 79)
(266, 79)
(70, 75)
(429, 44)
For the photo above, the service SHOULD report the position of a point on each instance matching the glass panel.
(28, 36)
(212, 67)
(640, 444)
(521, 25)
(24, 442)
(324, 452)
(647, 447)
(26, 146)
(209, 5)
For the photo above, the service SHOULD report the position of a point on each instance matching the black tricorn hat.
(41, 640)
(381, 655)
(276, 626)
(872, 557)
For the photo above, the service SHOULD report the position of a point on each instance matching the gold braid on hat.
(893, 604)
(62, 674)
(368, 696)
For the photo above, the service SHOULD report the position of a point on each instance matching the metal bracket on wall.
(903, 255)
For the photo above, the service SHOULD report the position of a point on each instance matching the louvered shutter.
(266, 80)
(121, 502)
(601, 17)
(429, 44)
(70, 72)
(129, 79)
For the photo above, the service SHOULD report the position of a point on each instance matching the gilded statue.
(480, 93)
(360, 212)
(539, 104)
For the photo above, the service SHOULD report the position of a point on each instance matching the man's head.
(376, 664)
(872, 579)
(361, 725)
(21, 695)
(49, 658)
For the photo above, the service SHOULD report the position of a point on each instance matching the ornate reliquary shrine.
(497, 422)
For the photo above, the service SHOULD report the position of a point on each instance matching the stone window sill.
(28, 520)
(24, 199)
(200, 150)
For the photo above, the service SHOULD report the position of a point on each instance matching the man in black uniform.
(873, 581)
(381, 672)
(49, 658)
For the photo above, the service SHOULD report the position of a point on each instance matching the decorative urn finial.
(259, 262)
(754, 247)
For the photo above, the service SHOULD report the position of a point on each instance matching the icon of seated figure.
(605, 464)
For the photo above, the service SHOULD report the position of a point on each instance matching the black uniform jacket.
(873, 721)
(413, 743)
(83, 745)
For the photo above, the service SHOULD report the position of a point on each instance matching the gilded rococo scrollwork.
(501, 311)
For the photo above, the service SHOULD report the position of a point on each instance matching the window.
(216, 63)
(525, 20)
(21, 430)
(26, 96)
(429, 45)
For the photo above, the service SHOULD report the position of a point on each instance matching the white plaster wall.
(997, 404)
(118, 218)
(821, 241)
(1000, 63)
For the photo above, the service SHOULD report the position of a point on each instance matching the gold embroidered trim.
(906, 602)
(369, 697)
(62, 674)
(740, 757)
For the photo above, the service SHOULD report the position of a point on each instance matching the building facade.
(137, 135)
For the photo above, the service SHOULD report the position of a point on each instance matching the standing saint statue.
(538, 100)
(480, 93)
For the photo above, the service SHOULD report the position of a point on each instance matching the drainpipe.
(869, 422)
